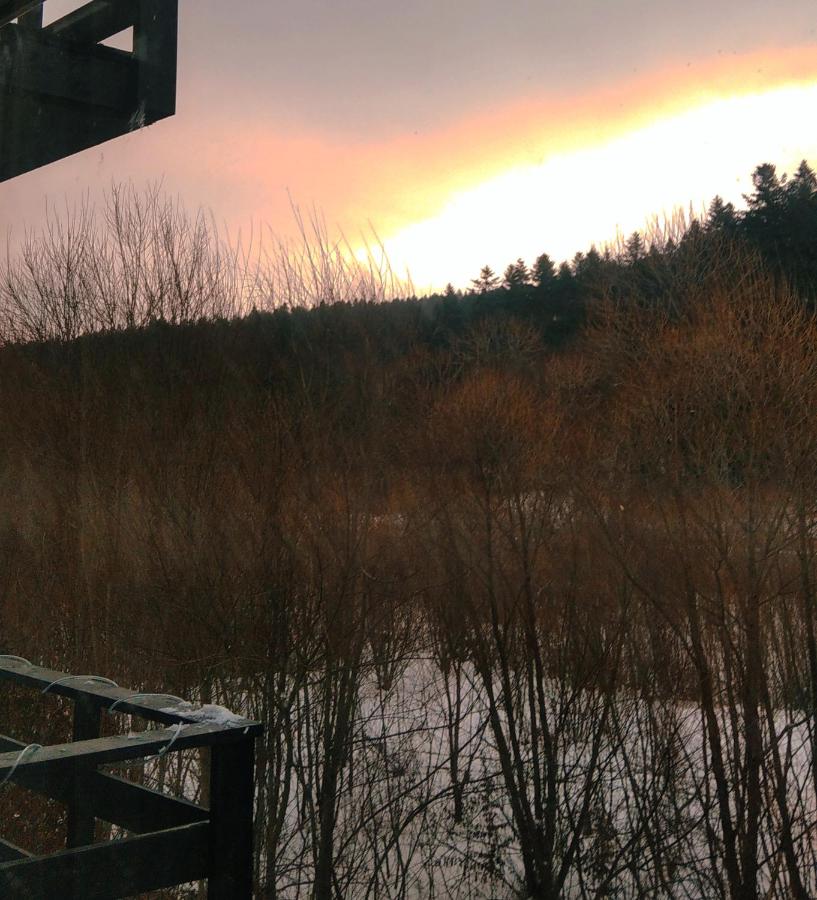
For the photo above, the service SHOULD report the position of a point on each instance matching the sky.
(462, 133)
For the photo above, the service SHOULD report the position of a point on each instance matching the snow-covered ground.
(652, 819)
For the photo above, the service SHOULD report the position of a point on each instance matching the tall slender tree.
(487, 280)
(516, 275)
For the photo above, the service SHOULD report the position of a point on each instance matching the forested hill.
(549, 540)
(778, 227)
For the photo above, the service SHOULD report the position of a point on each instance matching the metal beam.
(155, 42)
(80, 821)
(10, 852)
(152, 707)
(135, 808)
(13, 9)
(174, 841)
(112, 799)
(231, 820)
(32, 20)
(60, 759)
(36, 64)
(95, 21)
(121, 868)
(62, 92)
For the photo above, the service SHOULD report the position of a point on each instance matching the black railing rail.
(170, 840)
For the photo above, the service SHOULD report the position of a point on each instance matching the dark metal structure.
(62, 91)
(170, 841)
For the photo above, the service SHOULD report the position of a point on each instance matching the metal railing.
(169, 841)
(62, 91)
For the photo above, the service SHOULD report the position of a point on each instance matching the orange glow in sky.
(544, 172)
(605, 168)
(591, 194)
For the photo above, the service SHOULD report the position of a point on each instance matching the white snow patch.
(208, 714)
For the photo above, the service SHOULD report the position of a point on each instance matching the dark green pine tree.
(634, 248)
(799, 239)
(764, 221)
(721, 217)
(487, 280)
(543, 272)
(589, 270)
(777, 223)
(803, 185)
(769, 188)
(516, 275)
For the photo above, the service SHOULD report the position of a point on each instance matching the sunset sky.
(464, 133)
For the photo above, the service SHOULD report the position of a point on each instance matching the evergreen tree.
(769, 188)
(634, 248)
(799, 239)
(767, 222)
(803, 186)
(544, 271)
(487, 280)
(721, 217)
(516, 275)
(588, 266)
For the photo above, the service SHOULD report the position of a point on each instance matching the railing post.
(155, 46)
(231, 820)
(81, 822)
